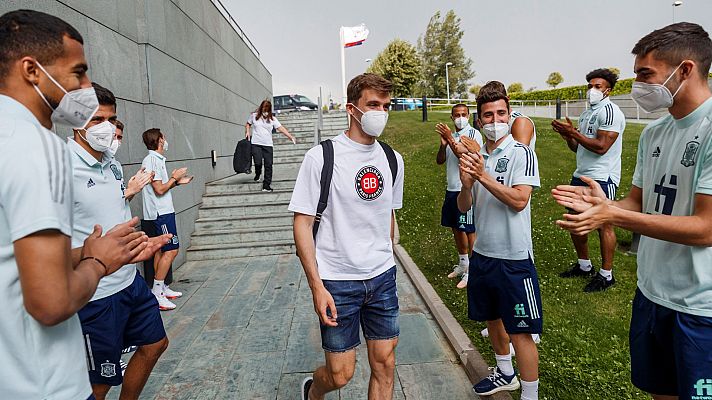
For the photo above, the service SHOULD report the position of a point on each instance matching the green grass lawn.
(584, 349)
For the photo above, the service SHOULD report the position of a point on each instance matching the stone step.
(248, 209)
(242, 199)
(246, 187)
(248, 249)
(309, 125)
(283, 219)
(233, 236)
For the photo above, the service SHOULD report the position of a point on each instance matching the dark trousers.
(260, 155)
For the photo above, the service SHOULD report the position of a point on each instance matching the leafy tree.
(555, 78)
(615, 71)
(399, 63)
(475, 89)
(515, 87)
(439, 45)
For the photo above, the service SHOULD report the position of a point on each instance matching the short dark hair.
(104, 95)
(458, 105)
(677, 42)
(490, 92)
(119, 125)
(32, 33)
(367, 81)
(151, 138)
(605, 74)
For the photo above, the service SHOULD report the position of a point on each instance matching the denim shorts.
(371, 304)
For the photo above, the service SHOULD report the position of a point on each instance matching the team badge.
(117, 172)
(501, 165)
(108, 370)
(688, 157)
(369, 183)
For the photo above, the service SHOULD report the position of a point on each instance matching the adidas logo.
(656, 152)
(462, 226)
(522, 324)
(90, 183)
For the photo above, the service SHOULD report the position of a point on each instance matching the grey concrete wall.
(177, 65)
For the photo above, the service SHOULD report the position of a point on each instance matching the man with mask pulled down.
(123, 312)
(349, 262)
(670, 205)
(43, 81)
(598, 144)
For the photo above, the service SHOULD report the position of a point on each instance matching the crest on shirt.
(688, 157)
(369, 183)
(108, 369)
(117, 172)
(501, 165)
(90, 183)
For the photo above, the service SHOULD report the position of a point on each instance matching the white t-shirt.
(604, 116)
(354, 238)
(502, 232)
(38, 362)
(153, 204)
(452, 163)
(99, 199)
(262, 129)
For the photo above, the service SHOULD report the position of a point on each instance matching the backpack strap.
(327, 147)
(392, 162)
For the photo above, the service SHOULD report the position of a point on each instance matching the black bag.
(242, 160)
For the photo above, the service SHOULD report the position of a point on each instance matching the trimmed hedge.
(623, 86)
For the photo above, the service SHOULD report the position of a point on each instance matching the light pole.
(447, 81)
(675, 4)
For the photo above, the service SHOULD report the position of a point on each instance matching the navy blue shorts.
(507, 290)
(167, 224)
(670, 351)
(608, 186)
(451, 216)
(371, 304)
(109, 325)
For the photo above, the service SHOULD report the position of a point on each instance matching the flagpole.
(343, 67)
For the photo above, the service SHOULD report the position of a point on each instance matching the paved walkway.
(246, 329)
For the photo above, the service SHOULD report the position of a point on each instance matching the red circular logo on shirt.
(369, 183)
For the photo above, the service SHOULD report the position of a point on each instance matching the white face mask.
(496, 131)
(265, 114)
(165, 145)
(373, 122)
(111, 151)
(461, 122)
(594, 96)
(99, 136)
(76, 107)
(654, 96)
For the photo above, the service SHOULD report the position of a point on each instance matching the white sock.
(464, 260)
(585, 265)
(504, 363)
(157, 286)
(606, 274)
(530, 390)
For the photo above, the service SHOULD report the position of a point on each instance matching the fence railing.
(225, 13)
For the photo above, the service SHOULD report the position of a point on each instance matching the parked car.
(292, 102)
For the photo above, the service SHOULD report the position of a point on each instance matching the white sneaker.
(171, 294)
(457, 270)
(163, 303)
(463, 282)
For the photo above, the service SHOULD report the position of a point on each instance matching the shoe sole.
(173, 297)
(512, 386)
(304, 382)
(166, 308)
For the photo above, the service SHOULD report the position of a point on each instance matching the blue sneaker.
(496, 382)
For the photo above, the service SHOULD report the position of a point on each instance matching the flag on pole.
(353, 35)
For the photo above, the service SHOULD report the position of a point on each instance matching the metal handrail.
(228, 17)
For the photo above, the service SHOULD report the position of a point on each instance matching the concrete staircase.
(237, 219)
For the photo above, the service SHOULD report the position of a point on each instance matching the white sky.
(508, 40)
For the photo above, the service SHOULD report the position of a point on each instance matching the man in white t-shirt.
(598, 143)
(258, 129)
(122, 312)
(158, 209)
(350, 268)
(461, 224)
(503, 287)
(43, 81)
(670, 205)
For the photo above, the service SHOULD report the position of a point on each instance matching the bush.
(570, 92)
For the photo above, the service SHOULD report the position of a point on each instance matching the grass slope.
(584, 352)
